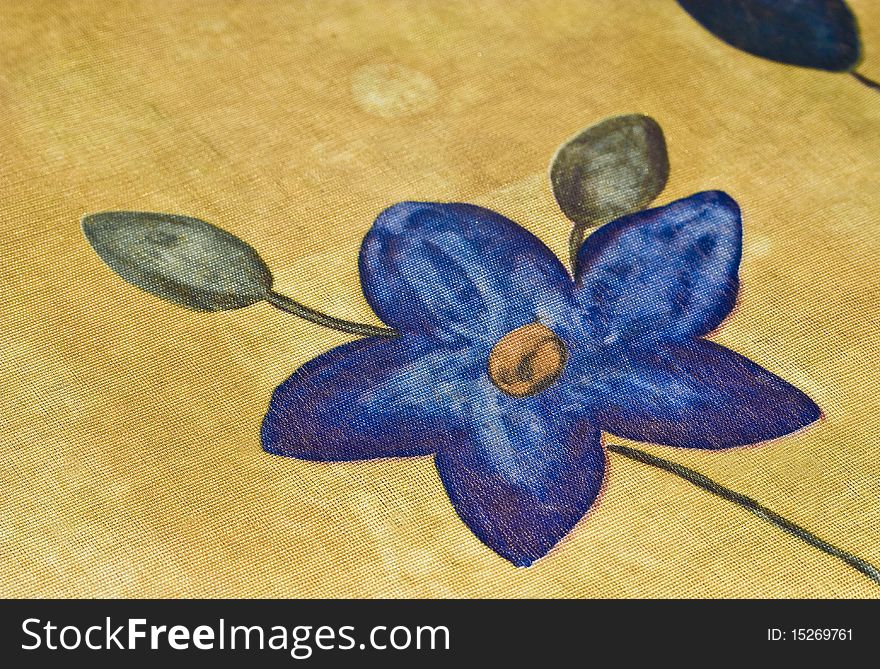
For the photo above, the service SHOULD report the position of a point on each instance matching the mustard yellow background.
(130, 462)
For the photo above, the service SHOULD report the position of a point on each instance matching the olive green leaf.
(182, 260)
(611, 169)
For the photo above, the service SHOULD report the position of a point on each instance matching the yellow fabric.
(129, 448)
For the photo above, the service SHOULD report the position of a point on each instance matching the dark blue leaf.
(821, 34)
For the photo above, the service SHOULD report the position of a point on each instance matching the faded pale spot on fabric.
(390, 91)
(757, 246)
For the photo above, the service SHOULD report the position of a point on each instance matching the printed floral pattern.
(456, 279)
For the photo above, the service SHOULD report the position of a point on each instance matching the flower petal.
(694, 394)
(458, 270)
(372, 398)
(666, 273)
(524, 477)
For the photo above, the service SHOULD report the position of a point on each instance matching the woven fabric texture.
(130, 454)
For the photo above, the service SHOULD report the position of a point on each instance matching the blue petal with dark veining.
(822, 34)
(524, 476)
(372, 398)
(459, 272)
(664, 273)
(694, 394)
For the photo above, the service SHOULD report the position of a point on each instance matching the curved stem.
(291, 306)
(749, 504)
(870, 83)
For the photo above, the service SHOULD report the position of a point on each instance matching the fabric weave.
(130, 453)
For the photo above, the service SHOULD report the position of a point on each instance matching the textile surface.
(130, 455)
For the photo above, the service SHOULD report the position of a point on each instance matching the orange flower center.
(527, 360)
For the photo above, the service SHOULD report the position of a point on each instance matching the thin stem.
(870, 83)
(749, 504)
(575, 239)
(291, 306)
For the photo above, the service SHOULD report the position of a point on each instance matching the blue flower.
(507, 370)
